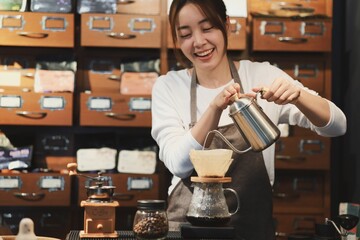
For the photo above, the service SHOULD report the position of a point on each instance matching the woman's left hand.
(281, 92)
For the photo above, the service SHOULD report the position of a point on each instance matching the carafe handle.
(210, 136)
(237, 200)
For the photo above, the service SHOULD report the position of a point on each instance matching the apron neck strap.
(193, 97)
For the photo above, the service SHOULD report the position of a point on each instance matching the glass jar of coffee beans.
(150, 221)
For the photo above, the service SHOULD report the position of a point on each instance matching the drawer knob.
(29, 196)
(292, 40)
(29, 114)
(33, 34)
(121, 35)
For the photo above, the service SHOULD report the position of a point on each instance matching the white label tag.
(94, 159)
(141, 162)
(10, 78)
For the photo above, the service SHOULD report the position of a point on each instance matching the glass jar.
(150, 221)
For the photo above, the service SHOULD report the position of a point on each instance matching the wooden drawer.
(236, 38)
(102, 75)
(286, 224)
(37, 29)
(118, 30)
(115, 110)
(310, 72)
(129, 188)
(28, 108)
(296, 190)
(321, 7)
(35, 189)
(283, 34)
(148, 7)
(304, 152)
(17, 72)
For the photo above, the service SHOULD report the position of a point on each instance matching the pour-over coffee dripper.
(208, 205)
(208, 212)
(211, 163)
(346, 222)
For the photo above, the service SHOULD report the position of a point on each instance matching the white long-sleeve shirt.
(171, 115)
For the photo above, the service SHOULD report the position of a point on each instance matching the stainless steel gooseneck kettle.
(254, 125)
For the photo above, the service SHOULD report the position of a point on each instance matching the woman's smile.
(204, 53)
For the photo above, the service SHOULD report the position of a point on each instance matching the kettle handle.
(210, 135)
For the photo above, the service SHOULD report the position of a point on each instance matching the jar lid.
(151, 204)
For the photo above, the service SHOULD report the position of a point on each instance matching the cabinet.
(98, 115)
(94, 115)
(297, 36)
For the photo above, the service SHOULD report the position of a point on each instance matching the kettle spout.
(210, 135)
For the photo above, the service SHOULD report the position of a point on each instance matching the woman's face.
(200, 42)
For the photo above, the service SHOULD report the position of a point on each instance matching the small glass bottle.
(150, 221)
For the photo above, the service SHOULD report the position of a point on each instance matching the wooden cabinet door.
(305, 152)
(115, 110)
(129, 188)
(28, 108)
(30, 29)
(320, 7)
(35, 189)
(285, 34)
(120, 30)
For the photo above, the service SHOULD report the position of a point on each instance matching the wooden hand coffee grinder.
(99, 214)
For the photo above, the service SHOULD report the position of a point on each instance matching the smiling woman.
(189, 103)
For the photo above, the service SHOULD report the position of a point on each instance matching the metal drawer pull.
(28, 114)
(121, 116)
(125, 1)
(317, 144)
(235, 26)
(281, 234)
(284, 195)
(29, 75)
(121, 35)
(33, 34)
(292, 40)
(114, 77)
(29, 196)
(123, 197)
(290, 158)
(306, 70)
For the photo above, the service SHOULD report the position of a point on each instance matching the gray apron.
(250, 180)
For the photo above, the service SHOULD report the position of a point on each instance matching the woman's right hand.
(224, 98)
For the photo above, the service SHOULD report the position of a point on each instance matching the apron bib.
(250, 180)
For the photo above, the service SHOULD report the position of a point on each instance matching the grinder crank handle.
(72, 167)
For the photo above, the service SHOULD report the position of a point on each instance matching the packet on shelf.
(137, 83)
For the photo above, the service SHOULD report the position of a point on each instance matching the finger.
(287, 97)
(279, 94)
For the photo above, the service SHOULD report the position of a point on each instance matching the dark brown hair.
(214, 10)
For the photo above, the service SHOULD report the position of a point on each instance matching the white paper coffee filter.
(211, 163)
